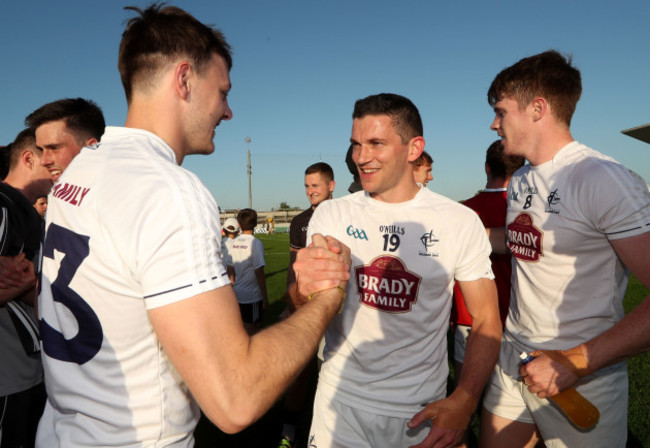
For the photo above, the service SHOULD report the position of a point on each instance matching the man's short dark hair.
(352, 167)
(501, 165)
(404, 115)
(247, 219)
(5, 152)
(82, 117)
(323, 168)
(549, 75)
(24, 140)
(424, 158)
(161, 35)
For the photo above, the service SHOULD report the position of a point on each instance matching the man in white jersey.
(576, 220)
(386, 352)
(62, 128)
(138, 320)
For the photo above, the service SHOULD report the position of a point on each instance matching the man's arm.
(292, 287)
(451, 415)
(296, 241)
(554, 371)
(484, 340)
(497, 237)
(236, 378)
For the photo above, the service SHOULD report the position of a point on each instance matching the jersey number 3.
(88, 340)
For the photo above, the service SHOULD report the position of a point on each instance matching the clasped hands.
(324, 265)
(16, 277)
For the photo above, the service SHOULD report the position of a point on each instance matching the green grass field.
(266, 432)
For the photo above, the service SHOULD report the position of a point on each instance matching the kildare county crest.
(429, 242)
(387, 285)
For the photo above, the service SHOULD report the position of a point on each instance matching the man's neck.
(313, 207)
(156, 115)
(550, 144)
(247, 232)
(398, 195)
(12, 181)
(497, 182)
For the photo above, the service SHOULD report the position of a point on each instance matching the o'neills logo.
(524, 239)
(386, 285)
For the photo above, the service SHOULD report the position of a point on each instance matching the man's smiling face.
(58, 145)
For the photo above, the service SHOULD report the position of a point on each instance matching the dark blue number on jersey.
(391, 242)
(87, 342)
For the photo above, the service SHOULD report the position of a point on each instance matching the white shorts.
(509, 398)
(460, 342)
(335, 425)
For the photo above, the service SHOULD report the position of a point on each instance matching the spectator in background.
(62, 128)
(356, 180)
(423, 167)
(230, 229)
(22, 394)
(41, 205)
(319, 187)
(246, 257)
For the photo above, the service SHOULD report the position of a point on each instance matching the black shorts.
(251, 313)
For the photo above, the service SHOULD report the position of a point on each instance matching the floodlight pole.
(248, 166)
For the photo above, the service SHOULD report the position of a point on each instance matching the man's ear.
(415, 148)
(28, 158)
(91, 141)
(539, 108)
(182, 76)
(331, 186)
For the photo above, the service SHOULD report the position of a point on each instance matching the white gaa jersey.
(246, 254)
(568, 284)
(386, 353)
(127, 230)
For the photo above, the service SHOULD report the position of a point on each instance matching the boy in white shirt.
(246, 255)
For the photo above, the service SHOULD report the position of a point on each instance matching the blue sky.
(300, 65)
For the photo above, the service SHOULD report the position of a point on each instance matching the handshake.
(322, 272)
